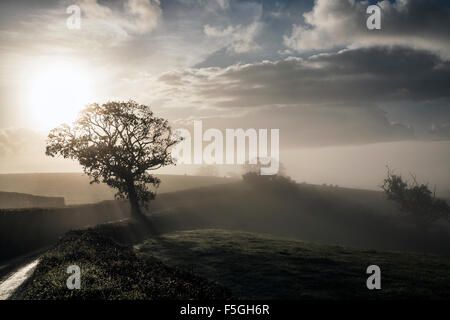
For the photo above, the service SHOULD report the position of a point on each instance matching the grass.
(256, 266)
(111, 270)
(356, 218)
(202, 264)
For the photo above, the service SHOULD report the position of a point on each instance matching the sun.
(57, 93)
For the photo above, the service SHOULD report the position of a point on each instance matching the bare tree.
(117, 143)
(416, 200)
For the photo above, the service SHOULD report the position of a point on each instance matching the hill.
(256, 266)
(211, 264)
(111, 271)
(14, 200)
(330, 215)
(75, 187)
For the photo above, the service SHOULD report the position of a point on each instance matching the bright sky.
(335, 89)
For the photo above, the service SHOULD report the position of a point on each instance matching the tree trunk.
(136, 212)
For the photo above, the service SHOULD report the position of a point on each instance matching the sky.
(348, 100)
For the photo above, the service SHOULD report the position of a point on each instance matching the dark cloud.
(352, 76)
(336, 98)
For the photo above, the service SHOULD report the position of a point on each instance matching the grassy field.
(257, 266)
(110, 270)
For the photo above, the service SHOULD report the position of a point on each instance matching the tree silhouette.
(416, 200)
(117, 143)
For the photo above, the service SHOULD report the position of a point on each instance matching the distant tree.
(260, 162)
(117, 143)
(252, 171)
(416, 200)
(278, 183)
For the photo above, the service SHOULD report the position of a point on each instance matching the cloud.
(337, 24)
(137, 16)
(102, 25)
(317, 125)
(238, 39)
(112, 40)
(212, 5)
(441, 132)
(19, 142)
(23, 150)
(224, 4)
(237, 29)
(352, 76)
(334, 98)
(146, 14)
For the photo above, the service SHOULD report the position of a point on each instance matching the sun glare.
(57, 93)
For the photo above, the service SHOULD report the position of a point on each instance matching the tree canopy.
(416, 200)
(117, 143)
